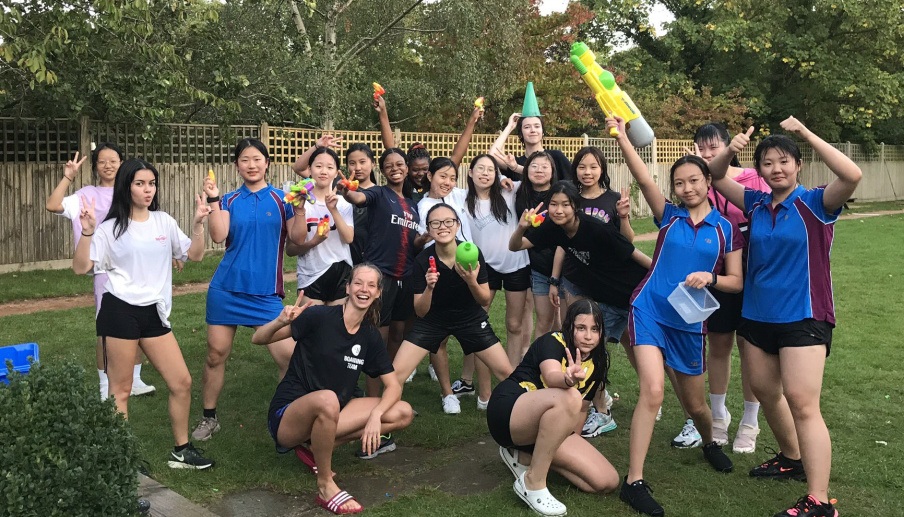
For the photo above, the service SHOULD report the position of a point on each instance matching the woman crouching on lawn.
(313, 403)
(536, 413)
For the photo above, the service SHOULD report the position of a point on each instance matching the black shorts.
(331, 284)
(473, 331)
(515, 281)
(397, 300)
(121, 320)
(273, 421)
(499, 414)
(772, 337)
(727, 317)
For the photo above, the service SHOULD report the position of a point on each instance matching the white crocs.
(510, 458)
(540, 501)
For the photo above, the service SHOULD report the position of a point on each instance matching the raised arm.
(497, 150)
(385, 128)
(623, 209)
(847, 173)
(300, 167)
(352, 196)
(518, 241)
(280, 328)
(718, 167)
(346, 232)
(638, 168)
(461, 146)
(55, 200)
(202, 211)
(219, 219)
(423, 301)
(81, 261)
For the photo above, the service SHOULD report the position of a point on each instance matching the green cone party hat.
(530, 108)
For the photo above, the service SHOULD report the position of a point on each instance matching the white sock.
(751, 411)
(136, 373)
(718, 406)
(104, 384)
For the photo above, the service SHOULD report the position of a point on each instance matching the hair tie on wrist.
(87, 234)
(213, 199)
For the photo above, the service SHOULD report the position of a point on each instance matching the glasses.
(481, 168)
(448, 223)
(111, 162)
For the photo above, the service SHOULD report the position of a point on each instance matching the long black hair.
(364, 148)
(121, 208)
(407, 187)
(526, 193)
(600, 158)
(497, 203)
(96, 153)
(599, 355)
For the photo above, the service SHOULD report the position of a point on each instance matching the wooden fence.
(33, 153)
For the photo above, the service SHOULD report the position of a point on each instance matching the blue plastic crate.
(19, 354)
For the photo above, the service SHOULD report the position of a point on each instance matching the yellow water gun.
(611, 99)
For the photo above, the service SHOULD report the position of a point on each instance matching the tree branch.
(358, 49)
(299, 24)
(411, 29)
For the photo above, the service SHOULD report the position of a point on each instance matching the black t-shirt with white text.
(603, 208)
(327, 357)
(552, 346)
(451, 292)
(606, 271)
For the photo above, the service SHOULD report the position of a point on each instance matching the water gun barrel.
(612, 100)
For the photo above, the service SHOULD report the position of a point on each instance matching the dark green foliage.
(64, 451)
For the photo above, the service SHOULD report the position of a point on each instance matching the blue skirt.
(247, 310)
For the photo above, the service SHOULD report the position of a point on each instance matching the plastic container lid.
(694, 305)
(19, 355)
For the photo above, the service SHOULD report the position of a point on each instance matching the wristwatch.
(554, 281)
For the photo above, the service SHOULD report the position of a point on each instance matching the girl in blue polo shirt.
(788, 312)
(247, 287)
(694, 241)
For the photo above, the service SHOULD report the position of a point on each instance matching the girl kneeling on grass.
(135, 247)
(313, 403)
(693, 243)
(449, 300)
(538, 409)
(788, 311)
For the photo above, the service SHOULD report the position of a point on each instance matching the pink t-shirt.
(749, 178)
(72, 206)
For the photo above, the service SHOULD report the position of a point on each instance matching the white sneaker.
(598, 423)
(720, 429)
(482, 404)
(745, 441)
(140, 388)
(411, 377)
(432, 373)
(451, 406)
(688, 437)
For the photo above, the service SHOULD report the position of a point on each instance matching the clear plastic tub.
(694, 305)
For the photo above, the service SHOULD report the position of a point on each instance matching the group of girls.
(383, 308)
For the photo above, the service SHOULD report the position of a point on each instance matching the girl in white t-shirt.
(105, 161)
(490, 212)
(325, 259)
(134, 246)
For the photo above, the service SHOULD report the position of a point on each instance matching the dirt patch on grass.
(464, 470)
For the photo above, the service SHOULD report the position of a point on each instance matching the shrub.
(63, 451)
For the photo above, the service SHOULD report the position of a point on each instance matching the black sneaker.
(189, 458)
(809, 506)
(780, 467)
(387, 444)
(714, 455)
(638, 496)
(460, 388)
(143, 507)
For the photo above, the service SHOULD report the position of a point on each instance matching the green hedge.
(62, 450)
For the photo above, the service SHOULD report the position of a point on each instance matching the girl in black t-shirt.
(449, 300)
(313, 403)
(535, 413)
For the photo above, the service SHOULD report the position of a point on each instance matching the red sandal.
(335, 503)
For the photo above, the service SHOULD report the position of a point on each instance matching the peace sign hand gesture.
(87, 216)
(290, 312)
(328, 140)
(72, 166)
(623, 205)
(574, 373)
(527, 218)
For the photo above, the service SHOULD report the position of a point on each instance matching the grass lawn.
(861, 402)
